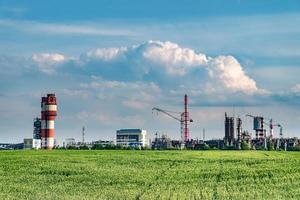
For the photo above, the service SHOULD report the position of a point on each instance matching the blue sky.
(110, 62)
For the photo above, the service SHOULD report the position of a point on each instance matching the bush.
(146, 148)
(71, 147)
(119, 147)
(245, 145)
(296, 148)
(205, 146)
(270, 146)
(229, 147)
(84, 147)
(97, 147)
(110, 146)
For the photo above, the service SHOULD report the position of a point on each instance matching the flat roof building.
(131, 137)
(69, 142)
(32, 143)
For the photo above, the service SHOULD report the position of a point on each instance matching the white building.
(69, 142)
(32, 143)
(131, 137)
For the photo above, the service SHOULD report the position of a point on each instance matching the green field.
(114, 174)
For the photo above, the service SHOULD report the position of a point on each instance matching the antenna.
(83, 134)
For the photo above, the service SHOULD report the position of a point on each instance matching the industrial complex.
(235, 137)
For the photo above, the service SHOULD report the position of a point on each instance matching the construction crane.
(280, 139)
(271, 125)
(179, 118)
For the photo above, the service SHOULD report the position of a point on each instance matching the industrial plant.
(235, 136)
(43, 127)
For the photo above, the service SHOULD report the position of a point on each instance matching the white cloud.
(63, 29)
(175, 59)
(135, 104)
(75, 93)
(101, 84)
(225, 74)
(296, 89)
(105, 54)
(46, 57)
(47, 62)
(229, 74)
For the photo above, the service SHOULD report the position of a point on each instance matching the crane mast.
(183, 118)
(168, 113)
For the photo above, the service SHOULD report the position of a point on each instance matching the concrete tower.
(48, 115)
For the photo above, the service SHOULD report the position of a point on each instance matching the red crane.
(183, 118)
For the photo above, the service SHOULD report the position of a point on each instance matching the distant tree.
(296, 148)
(229, 147)
(71, 147)
(129, 147)
(171, 148)
(245, 145)
(97, 147)
(146, 147)
(119, 147)
(205, 146)
(270, 145)
(84, 147)
(138, 147)
(110, 146)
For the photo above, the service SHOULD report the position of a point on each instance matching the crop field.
(61, 174)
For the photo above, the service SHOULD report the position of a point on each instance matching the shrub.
(71, 147)
(245, 145)
(84, 147)
(97, 147)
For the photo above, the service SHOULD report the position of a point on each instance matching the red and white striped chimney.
(48, 115)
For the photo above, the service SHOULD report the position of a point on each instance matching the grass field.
(149, 175)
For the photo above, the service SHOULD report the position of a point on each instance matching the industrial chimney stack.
(48, 114)
(186, 119)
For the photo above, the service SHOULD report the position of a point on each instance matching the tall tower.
(83, 134)
(186, 119)
(48, 115)
(271, 129)
(37, 128)
(239, 131)
(229, 130)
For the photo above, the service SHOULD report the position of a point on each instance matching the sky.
(110, 62)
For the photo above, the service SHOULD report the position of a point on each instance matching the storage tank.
(258, 123)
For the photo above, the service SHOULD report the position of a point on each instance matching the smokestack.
(48, 114)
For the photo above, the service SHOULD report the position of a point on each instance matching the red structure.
(48, 114)
(186, 132)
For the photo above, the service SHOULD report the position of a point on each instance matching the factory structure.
(43, 127)
(131, 137)
(235, 135)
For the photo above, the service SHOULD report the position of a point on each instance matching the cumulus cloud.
(296, 89)
(47, 62)
(176, 60)
(228, 72)
(158, 61)
(105, 54)
(164, 56)
(225, 72)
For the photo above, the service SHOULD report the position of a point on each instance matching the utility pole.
(83, 134)
(203, 134)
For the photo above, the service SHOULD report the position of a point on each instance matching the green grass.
(149, 175)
